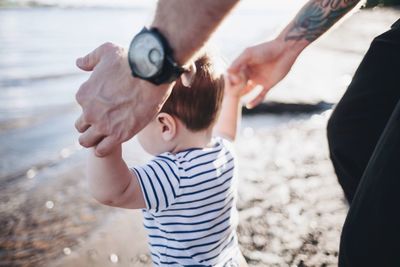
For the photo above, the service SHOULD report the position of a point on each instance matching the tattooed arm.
(316, 17)
(268, 63)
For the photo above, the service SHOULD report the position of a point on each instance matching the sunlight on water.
(346, 79)
(67, 251)
(65, 153)
(44, 194)
(38, 76)
(114, 258)
(92, 254)
(49, 204)
(31, 173)
(248, 132)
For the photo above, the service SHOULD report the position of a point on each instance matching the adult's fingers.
(81, 125)
(249, 86)
(258, 99)
(240, 62)
(90, 137)
(90, 61)
(106, 146)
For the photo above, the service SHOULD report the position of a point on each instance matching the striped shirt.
(191, 214)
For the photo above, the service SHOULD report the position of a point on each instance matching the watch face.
(146, 55)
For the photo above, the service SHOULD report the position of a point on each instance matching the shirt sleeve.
(227, 143)
(159, 181)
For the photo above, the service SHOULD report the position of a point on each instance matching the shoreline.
(114, 248)
(291, 206)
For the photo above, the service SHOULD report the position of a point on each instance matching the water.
(42, 192)
(38, 77)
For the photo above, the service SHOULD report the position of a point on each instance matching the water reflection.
(114, 258)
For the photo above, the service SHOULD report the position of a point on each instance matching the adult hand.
(265, 64)
(115, 105)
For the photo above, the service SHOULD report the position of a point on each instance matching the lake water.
(38, 78)
(38, 81)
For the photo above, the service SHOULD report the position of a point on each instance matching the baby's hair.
(198, 106)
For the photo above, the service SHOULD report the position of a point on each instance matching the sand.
(121, 241)
(290, 205)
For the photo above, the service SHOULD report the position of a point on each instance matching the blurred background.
(291, 208)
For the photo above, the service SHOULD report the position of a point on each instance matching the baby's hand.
(236, 86)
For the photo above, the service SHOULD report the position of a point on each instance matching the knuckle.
(107, 46)
(84, 86)
(79, 97)
(81, 93)
(248, 51)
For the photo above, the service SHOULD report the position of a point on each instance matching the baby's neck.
(187, 139)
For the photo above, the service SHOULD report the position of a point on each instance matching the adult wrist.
(178, 49)
(151, 58)
(291, 48)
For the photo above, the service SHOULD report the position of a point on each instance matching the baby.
(188, 191)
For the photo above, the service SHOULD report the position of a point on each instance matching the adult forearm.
(313, 20)
(268, 63)
(187, 24)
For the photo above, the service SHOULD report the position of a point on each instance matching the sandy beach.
(290, 205)
(287, 204)
(291, 208)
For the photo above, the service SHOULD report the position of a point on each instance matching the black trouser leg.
(371, 233)
(361, 115)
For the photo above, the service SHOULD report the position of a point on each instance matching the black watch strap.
(170, 70)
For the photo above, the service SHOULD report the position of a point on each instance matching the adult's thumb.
(89, 61)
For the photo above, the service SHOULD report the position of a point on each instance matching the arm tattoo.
(316, 17)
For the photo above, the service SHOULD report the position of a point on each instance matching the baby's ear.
(167, 126)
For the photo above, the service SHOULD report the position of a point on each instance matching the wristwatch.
(151, 58)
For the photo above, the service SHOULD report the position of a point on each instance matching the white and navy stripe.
(191, 214)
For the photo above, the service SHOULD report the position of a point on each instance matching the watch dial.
(146, 55)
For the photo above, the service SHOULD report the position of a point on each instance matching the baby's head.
(188, 110)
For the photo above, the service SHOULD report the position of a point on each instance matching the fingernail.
(99, 153)
(249, 106)
(79, 61)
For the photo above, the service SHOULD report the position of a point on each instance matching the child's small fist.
(237, 85)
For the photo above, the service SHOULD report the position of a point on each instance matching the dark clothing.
(371, 233)
(365, 151)
(362, 113)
